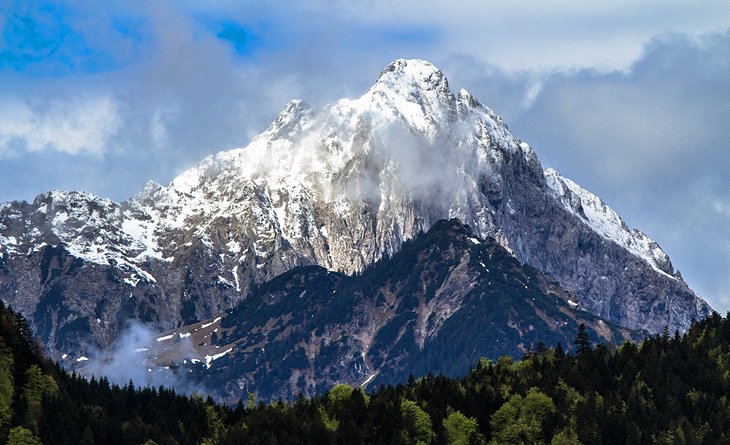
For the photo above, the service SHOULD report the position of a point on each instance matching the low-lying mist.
(134, 356)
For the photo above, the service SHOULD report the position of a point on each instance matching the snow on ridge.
(417, 91)
(294, 161)
(142, 232)
(209, 358)
(89, 227)
(205, 325)
(9, 241)
(606, 222)
(166, 337)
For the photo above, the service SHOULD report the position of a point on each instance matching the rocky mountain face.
(443, 301)
(339, 188)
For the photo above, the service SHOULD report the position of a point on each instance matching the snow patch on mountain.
(210, 358)
(606, 222)
(90, 228)
(142, 232)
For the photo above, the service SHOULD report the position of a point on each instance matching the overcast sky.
(630, 99)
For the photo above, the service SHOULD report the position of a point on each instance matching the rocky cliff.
(442, 302)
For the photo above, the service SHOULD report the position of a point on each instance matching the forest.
(669, 389)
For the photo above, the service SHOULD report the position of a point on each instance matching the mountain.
(339, 188)
(442, 302)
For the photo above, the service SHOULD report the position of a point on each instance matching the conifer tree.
(6, 389)
(582, 343)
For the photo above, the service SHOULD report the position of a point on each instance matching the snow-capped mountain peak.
(416, 91)
(292, 119)
(340, 187)
(411, 79)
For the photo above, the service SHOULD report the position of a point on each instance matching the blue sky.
(630, 99)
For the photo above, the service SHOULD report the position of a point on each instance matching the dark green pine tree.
(582, 343)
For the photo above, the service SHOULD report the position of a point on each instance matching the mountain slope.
(442, 302)
(341, 188)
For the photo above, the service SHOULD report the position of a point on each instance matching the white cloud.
(653, 143)
(522, 34)
(74, 126)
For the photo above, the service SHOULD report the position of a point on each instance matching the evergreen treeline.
(667, 390)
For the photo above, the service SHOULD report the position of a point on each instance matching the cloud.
(652, 120)
(131, 357)
(174, 93)
(73, 126)
(525, 35)
(653, 143)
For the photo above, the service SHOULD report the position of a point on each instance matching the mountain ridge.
(442, 302)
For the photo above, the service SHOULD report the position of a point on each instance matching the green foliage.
(339, 396)
(37, 385)
(582, 343)
(22, 436)
(6, 389)
(462, 430)
(330, 423)
(526, 419)
(565, 437)
(215, 425)
(417, 425)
